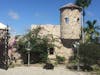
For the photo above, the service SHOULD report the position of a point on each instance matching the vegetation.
(91, 31)
(60, 59)
(89, 54)
(48, 66)
(39, 45)
(84, 4)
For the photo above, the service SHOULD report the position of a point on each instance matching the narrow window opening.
(77, 19)
(51, 51)
(67, 20)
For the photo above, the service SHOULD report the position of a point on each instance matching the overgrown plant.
(89, 54)
(39, 45)
(60, 59)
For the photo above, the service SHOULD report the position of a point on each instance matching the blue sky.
(20, 14)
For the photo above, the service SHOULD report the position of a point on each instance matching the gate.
(4, 35)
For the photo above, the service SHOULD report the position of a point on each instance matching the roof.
(70, 5)
(2, 26)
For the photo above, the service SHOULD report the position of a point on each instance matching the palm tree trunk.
(83, 36)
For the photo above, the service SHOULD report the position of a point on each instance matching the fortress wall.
(60, 50)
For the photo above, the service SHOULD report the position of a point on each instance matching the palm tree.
(84, 4)
(91, 31)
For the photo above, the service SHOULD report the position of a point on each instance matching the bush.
(60, 59)
(39, 46)
(89, 53)
(48, 66)
(96, 68)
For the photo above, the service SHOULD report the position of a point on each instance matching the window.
(51, 51)
(67, 20)
(77, 19)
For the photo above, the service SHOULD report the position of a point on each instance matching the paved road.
(38, 71)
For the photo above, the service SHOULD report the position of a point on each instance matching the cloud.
(13, 15)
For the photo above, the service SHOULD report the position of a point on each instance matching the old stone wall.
(60, 49)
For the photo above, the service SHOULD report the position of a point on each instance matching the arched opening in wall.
(51, 51)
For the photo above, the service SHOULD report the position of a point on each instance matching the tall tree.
(84, 4)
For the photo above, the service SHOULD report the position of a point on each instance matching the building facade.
(66, 33)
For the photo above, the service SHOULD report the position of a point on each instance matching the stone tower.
(70, 22)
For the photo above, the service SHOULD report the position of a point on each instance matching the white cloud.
(13, 15)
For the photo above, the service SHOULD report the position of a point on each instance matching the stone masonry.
(60, 50)
(67, 32)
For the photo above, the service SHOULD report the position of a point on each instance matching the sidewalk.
(39, 71)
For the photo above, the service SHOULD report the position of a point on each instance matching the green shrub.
(39, 46)
(60, 59)
(96, 68)
(89, 53)
(48, 66)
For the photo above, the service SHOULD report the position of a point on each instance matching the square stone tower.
(70, 24)
(70, 21)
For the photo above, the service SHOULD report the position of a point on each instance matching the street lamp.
(76, 45)
(28, 48)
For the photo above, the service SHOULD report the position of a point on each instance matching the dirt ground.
(39, 71)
